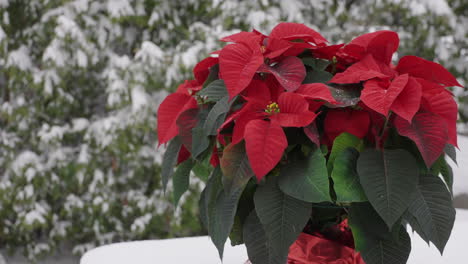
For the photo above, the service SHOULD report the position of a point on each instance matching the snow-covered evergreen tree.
(80, 82)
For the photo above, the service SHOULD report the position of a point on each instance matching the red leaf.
(445, 106)
(185, 122)
(189, 87)
(327, 52)
(169, 111)
(381, 44)
(202, 69)
(297, 48)
(294, 111)
(431, 71)
(355, 122)
(238, 64)
(379, 98)
(314, 106)
(214, 159)
(265, 143)
(409, 100)
(241, 123)
(429, 89)
(290, 72)
(312, 133)
(293, 31)
(231, 117)
(184, 154)
(276, 47)
(363, 70)
(428, 131)
(318, 91)
(275, 87)
(244, 37)
(257, 91)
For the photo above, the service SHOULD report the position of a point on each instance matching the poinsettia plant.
(293, 135)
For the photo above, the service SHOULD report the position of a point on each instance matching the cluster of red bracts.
(266, 72)
(317, 248)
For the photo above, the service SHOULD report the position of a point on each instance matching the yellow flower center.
(272, 108)
(263, 49)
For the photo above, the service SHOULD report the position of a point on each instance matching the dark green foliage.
(432, 209)
(258, 246)
(217, 115)
(340, 144)
(181, 179)
(170, 160)
(374, 240)
(389, 178)
(282, 216)
(215, 91)
(236, 168)
(306, 178)
(345, 178)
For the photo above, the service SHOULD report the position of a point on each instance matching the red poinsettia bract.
(260, 124)
(172, 107)
(400, 89)
(253, 52)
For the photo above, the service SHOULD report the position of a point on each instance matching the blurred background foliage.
(80, 82)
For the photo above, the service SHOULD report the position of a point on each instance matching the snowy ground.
(460, 186)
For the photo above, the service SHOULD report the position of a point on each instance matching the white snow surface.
(200, 250)
(20, 58)
(460, 171)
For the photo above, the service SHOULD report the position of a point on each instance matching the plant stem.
(385, 125)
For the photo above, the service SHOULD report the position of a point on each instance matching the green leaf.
(214, 91)
(212, 76)
(186, 121)
(389, 178)
(451, 152)
(413, 222)
(203, 208)
(217, 116)
(222, 219)
(209, 196)
(388, 251)
(442, 167)
(374, 240)
(169, 161)
(437, 165)
(236, 167)
(447, 174)
(202, 170)
(181, 179)
(256, 242)
(342, 142)
(346, 95)
(318, 76)
(236, 235)
(244, 208)
(432, 207)
(282, 215)
(220, 209)
(366, 223)
(200, 141)
(346, 179)
(306, 179)
(316, 64)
